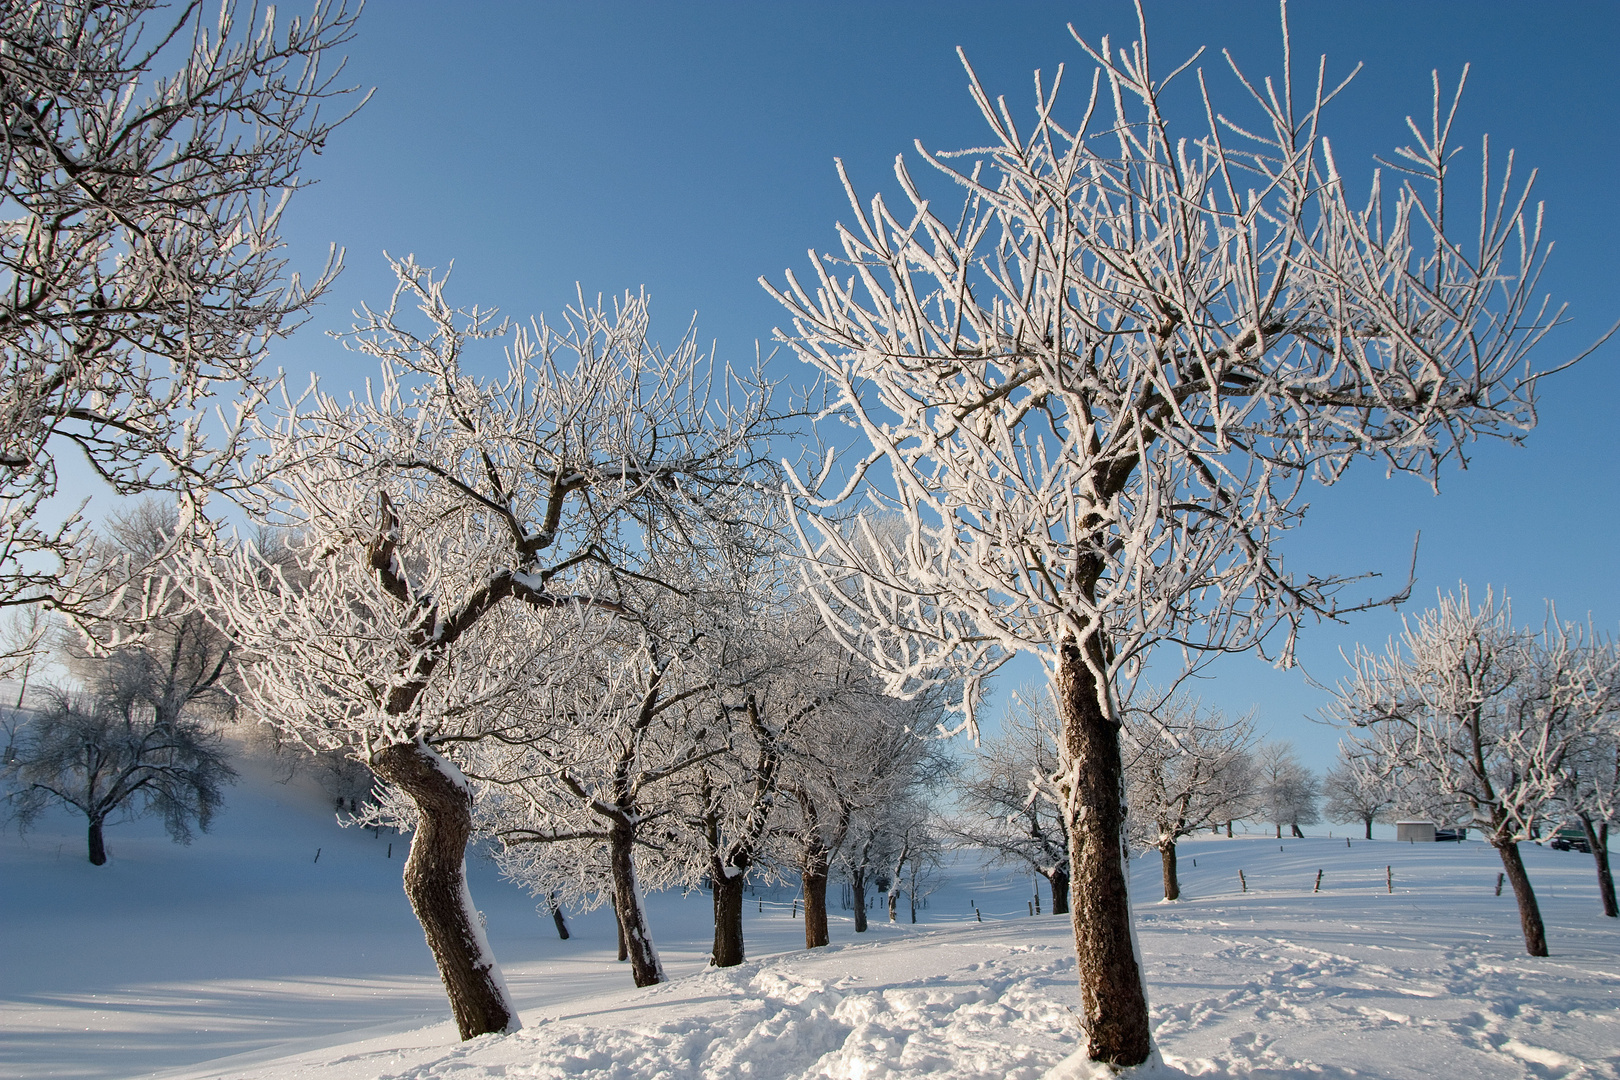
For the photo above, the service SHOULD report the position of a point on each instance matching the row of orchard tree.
(1187, 769)
(1090, 398)
(1465, 720)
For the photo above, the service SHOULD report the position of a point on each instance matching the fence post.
(1242, 881)
(1318, 882)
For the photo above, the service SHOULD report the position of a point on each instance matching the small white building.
(1421, 832)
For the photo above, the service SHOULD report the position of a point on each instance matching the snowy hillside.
(245, 956)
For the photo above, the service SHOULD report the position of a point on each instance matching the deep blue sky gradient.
(688, 147)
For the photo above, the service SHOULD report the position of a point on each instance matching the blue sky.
(688, 147)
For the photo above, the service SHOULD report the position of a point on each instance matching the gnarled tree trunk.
(1059, 880)
(1597, 838)
(1112, 998)
(98, 846)
(1167, 860)
(645, 967)
(436, 883)
(728, 905)
(814, 873)
(1535, 934)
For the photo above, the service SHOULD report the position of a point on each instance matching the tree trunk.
(1229, 828)
(894, 902)
(814, 873)
(1369, 823)
(1294, 827)
(1598, 840)
(618, 927)
(728, 905)
(1167, 859)
(645, 967)
(557, 917)
(98, 846)
(1279, 830)
(1535, 934)
(1060, 892)
(436, 883)
(857, 890)
(1113, 1000)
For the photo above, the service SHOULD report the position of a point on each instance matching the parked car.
(1458, 835)
(1570, 838)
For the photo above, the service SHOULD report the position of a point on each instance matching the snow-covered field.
(244, 956)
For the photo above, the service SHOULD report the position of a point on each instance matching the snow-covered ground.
(245, 956)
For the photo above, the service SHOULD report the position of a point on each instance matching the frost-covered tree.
(1011, 808)
(452, 539)
(850, 754)
(1355, 792)
(165, 649)
(1480, 716)
(107, 753)
(885, 773)
(1285, 790)
(1581, 671)
(1097, 394)
(590, 779)
(1185, 767)
(146, 156)
(915, 847)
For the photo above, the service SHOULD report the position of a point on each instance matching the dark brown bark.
(1294, 827)
(1060, 892)
(1535, 934)
(857, 890)
(1229, 828)
(1597, 838)
(436, 883)
(645, 967)
(815, 897)
(1112, 999)
(1369, 822)
(1167, 861)
(618, 926)
(98, 846)
(728, 928)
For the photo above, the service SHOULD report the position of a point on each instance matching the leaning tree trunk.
(98, 846)
(1113, 1000)
(436, 883)
(814, 872)
(727, 884)
(557, 917)
(645, 967)
(857, 891)
(1167, 860)
(1059, 881)
(1535, 934)
(1597, 838)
